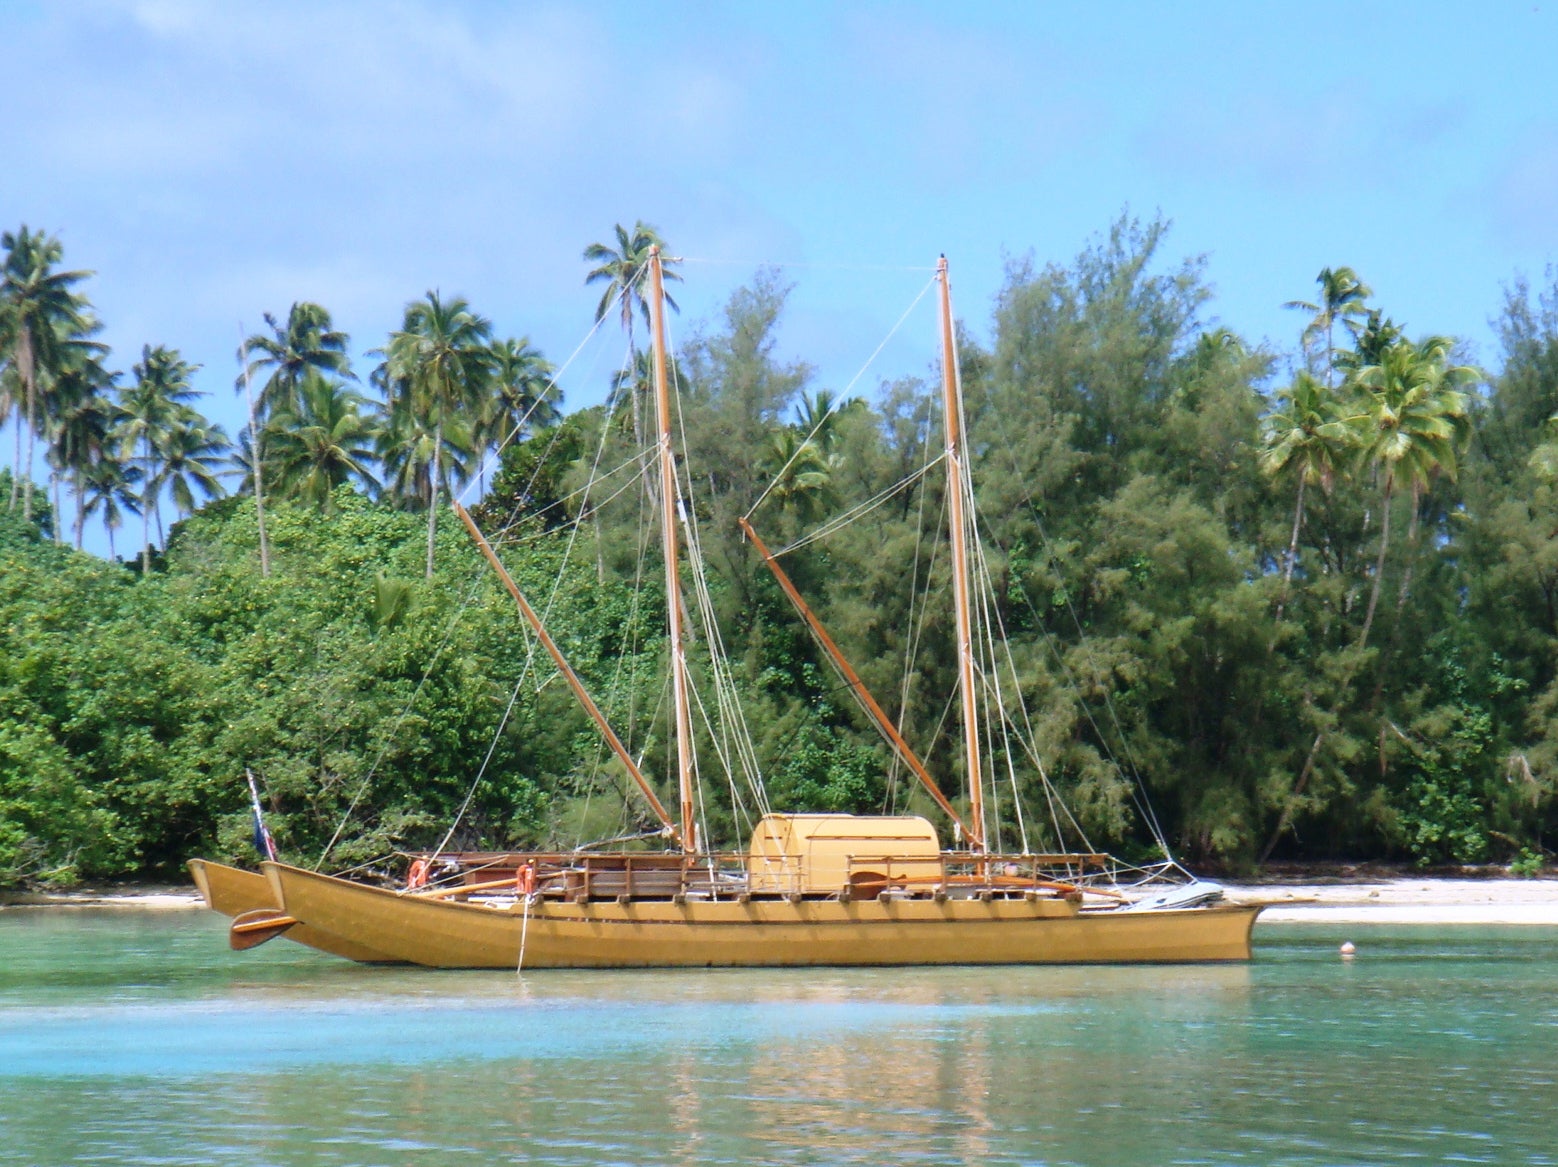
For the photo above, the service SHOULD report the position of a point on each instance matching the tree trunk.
(29, 375)
(16, 458)
(146, 516)
(432, 494)
(633, 386)
(1298, 521)
(1363, 639)
(81, 512)
(1330, 350)
(1406, 572)
(1298, 788)
(1379, 564)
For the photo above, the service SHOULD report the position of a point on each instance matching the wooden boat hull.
(776, 932)
(233, 892)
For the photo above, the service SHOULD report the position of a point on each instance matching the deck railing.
(651, 875)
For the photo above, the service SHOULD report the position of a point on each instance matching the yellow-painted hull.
(663, 934)
(233, 891)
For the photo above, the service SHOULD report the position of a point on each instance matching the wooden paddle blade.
(256, 927)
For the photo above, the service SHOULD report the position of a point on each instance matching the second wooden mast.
(957, 477)
(669, 498)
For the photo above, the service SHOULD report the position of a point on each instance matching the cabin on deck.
(857, 856)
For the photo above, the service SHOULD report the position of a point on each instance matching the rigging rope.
(843, 397)
(362, 787)
(859, 510)
(1138, 789)
(989, 622)
(1025, 738)
(454, 621)
(561, 502)
(531, 644)
(734, 730)
(497, 452)
(797, 264)
(916, 596)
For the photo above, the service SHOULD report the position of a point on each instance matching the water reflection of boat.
(809, 889)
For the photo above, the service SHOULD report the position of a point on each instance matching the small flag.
(263, 843)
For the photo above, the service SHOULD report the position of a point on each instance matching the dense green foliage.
(1311, 615)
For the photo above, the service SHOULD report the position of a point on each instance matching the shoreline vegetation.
(1304, 598)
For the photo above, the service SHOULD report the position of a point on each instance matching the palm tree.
(800, 473)
(1415, 423)
(1341, 298)
(801, 460)
(631, 385)
(440, 364)
(322, 443)
(622, 269)
(84, 422)
(153, 405)
(308, 340)
(1410, 423)
(1309, 436)
(818, 415)
(1370, 342)
(404, 446)
(41, 318)
(190, 451)
(110, 486)
(521, 397)
(240, 462)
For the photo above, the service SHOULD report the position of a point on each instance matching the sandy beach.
(1394, 900)
(161, 898)
(1406, 901)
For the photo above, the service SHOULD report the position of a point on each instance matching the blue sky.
(212, 161)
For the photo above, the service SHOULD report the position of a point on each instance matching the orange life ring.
(417, 876)
(527, 879)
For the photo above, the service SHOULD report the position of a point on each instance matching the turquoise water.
(137, 1038)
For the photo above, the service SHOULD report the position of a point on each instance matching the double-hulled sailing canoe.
(744, 930)
(809, 889)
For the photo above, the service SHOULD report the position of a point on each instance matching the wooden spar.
(669, 503)
(883, 723)
(439, 893)
(565, 669)
(1008, 883)
(952, 399)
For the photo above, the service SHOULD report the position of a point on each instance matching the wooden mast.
(883, 722)
(564, 668)
(956, 477)
(669, 502)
